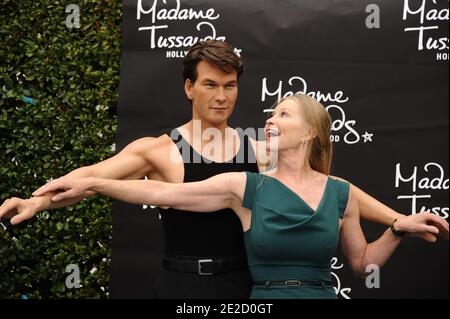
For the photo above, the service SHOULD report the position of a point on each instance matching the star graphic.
(238, 51)
(367, 137)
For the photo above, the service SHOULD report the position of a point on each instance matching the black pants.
(181, 285)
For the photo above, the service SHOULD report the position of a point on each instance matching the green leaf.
(11, 93)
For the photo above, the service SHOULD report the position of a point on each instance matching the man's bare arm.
(133, 162)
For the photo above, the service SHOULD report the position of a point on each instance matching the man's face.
(213, 95)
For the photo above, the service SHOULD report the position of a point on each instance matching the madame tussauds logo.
(426, 181)
(343, 129)
(429, 33)
(161, 13)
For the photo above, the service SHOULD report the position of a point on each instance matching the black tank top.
(213, 234)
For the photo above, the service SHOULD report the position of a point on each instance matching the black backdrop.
(387, 95)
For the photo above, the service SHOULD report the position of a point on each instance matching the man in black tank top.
(204, 254)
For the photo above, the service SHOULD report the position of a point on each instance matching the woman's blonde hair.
(320, 148)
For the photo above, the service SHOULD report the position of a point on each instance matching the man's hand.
(424, 225)
(68, 188)
(18, 209)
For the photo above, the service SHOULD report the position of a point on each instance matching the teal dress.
(288, 240)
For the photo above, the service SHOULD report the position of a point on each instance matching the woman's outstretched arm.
(375, 211)
(218, 192)
(360, 254)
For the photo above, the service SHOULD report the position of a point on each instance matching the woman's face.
(286, 129)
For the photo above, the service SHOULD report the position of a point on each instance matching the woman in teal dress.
(291, 240)
(293, 216)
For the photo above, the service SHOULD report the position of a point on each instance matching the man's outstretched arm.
(131, 163)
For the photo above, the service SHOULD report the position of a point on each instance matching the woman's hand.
(68, 187)
(424, 225)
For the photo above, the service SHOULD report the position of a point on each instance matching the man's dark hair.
(218, 53)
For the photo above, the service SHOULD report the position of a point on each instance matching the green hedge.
(59, 89)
